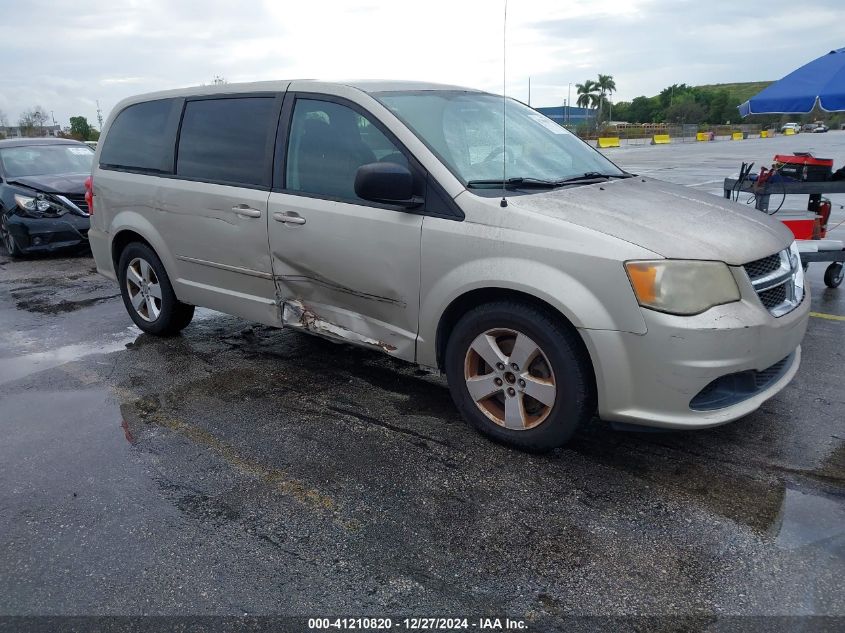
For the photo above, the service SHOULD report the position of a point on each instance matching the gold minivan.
(453, 229)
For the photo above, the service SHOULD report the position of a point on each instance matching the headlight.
(681, 286)
(39, 206)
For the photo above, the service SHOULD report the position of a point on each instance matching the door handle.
(288, 218)
(246, 211)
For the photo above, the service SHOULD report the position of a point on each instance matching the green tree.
(588, 95)
(79, 128)
(606, 86)
(622, 111)
(642, 110)
(718, 106)
(686, 110)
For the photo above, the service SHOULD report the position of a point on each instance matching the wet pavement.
(239, 469)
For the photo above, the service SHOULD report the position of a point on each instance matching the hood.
(671, 220)
(50, 183)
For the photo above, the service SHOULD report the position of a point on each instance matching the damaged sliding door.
(344, 268)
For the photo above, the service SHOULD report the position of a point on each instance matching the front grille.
(734, 388)
(763, 267)
(778, 281)
(773, 297)
(78, 199)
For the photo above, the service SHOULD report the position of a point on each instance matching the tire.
(833, 275)
(159, 312)
(558, 372)
(9, 243)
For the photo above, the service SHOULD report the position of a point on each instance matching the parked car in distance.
(546, 282)
(795, 127)
(820, 127)
(42, 194)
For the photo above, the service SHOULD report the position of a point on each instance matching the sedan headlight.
(681, 286)
(39, 206)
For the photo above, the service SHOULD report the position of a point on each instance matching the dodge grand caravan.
(546, 282)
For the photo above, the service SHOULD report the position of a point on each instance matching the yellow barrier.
(737, 136)
(764, 133)
(702, 136)
(608, 141)
(789, 132)
(660, 139)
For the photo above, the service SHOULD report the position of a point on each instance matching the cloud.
(104, 50)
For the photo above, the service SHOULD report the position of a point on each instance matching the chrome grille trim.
(780, 289)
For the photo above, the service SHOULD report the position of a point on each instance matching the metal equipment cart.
(834, 273)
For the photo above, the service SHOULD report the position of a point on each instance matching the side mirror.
(387, 183)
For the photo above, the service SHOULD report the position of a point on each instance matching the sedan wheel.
(510, 379)
(7, 237)
(144, 289)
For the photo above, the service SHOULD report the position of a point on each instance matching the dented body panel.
(353, 267)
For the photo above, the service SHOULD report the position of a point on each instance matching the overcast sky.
(66, 55)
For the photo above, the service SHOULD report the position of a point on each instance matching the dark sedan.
(42, 194)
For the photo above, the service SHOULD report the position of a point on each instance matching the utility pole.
(99, 116)
(568, 102)
(529, 91)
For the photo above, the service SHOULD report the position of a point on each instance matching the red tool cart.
(798, 174)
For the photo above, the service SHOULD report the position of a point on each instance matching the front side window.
(328, 143)
(225, 140)
(141, 138)
(39, 160)
(464, 129)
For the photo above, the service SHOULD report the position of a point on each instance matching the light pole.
(568, 102)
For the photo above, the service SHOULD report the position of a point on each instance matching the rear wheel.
(833, 275)
(7, 238)
(519, 375)
(148, 294)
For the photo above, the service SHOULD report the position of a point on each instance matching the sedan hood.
(61, 183)
(670, 220)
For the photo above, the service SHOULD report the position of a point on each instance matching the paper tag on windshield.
(82, 151)
(549, 124)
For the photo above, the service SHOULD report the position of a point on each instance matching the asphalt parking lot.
(239, 469)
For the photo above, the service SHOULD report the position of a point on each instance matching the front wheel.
(520, 375)
(833, 275)
(148, 294)
(7, 238)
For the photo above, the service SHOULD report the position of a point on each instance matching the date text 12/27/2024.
(418, 624)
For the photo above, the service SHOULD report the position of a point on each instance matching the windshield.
(40, 160)
(464, 130)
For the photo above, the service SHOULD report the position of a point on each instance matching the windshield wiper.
(513, 183)
(593, 175)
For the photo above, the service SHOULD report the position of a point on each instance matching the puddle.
(810, 519)
(20, 366)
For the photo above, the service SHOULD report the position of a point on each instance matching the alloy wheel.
(144, 289)
(510, 379)
(6, 235)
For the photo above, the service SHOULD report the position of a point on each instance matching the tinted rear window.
(226, 140)
(142, 137)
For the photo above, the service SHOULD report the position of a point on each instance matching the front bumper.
(44, 235)
(651, 379)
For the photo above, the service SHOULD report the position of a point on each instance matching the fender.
(578, 303)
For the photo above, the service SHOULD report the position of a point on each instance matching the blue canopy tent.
(821, 81)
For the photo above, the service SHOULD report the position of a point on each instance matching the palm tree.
(605, 86)
(587, 94)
